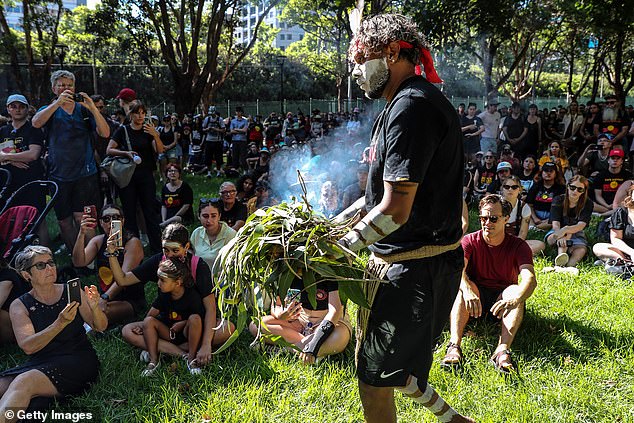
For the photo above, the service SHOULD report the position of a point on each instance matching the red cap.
(127, 94)
(617, 152)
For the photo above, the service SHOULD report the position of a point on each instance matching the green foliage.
(276, 246)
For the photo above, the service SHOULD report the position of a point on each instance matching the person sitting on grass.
(119, 303)
(208, 239)
(234, 213)
(175, 242)
(177, 198)
(570, 215)
(607, 182)
(51, 332)
(493, 261)
(175, 317)
(317, 331)
(520, 213)
(550, 184)
(620, 249)
(12, 286)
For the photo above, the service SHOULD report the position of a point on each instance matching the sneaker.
(150, 369)
(145, 356)
(599, 263)
(193, 368)
(208, 175)
(561, 260)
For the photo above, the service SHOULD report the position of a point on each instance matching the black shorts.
(408, 315)
(488, 297)
(73, 196)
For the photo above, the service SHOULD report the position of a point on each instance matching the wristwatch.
(105, 296)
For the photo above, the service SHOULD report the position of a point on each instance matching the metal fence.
(541, 102)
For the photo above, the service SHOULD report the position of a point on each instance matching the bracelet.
(115, 254)
(105, 296)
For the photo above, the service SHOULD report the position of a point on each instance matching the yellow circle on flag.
(105, 274)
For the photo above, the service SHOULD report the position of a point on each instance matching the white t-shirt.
(491, 124)
(526, 212)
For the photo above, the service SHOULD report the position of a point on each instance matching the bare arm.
(616, 239)
(43, 116)
(351, 211)
(598, 197)
(133, 257)
(33, 153)
(5, 290)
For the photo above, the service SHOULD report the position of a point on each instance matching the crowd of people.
(541, 172)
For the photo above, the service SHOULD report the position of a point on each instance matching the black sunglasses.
(107, 218)
(513, 187)
(579, 189)
(42, 265)
(493, 218)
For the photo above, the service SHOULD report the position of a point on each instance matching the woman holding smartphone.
(316, 331)
(119, 303)
(51, 332)
(145, 142)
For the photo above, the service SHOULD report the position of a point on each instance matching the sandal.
(504, 366)
(193, 368)
(453, 358)
(150, 369)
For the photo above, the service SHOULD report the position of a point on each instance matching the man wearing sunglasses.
(607, 182)
(493, 262)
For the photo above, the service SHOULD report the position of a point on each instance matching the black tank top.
(132, 293)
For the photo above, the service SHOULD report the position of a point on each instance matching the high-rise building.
(14, 13)
(249, 15)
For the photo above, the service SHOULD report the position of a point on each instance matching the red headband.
(426, 61)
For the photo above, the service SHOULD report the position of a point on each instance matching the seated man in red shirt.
(493, 261)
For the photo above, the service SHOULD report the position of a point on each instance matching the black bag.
(120, 169)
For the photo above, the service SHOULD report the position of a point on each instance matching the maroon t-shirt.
(495, 267)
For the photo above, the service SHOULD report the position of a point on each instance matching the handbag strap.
(127, 138)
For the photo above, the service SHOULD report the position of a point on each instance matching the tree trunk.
(488, 55)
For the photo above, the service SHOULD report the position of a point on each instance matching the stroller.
(19, 223)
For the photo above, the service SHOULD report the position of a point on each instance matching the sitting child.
(175, 316)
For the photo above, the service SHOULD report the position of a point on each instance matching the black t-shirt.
(146, 271)
(173, 201)
(237, 212)
(133, 293)
(614, 126)
(141, 142)
(174, 311)
(417, 138)
(323, 289)
(486, 176)
(167, 137)
(619, 221)
(557, 212)
(16, 141)
(19, 288)
(515, 127)
(597, 163)
(608, 183)
(467, 121)
(541, 198)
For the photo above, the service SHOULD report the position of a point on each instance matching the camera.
(78, 97)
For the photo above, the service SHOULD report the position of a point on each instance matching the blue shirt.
(70, 152)
(238, 124)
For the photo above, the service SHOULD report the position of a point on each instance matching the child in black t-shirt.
(175, 316)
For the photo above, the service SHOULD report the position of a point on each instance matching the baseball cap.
(265, 150)
(17, 97)
(127, 94)
(604, 136)
(617, 152)
(549, 166)
(363, 167)
(480, 153)
(507, 147)
(154, 117)
(503, 166)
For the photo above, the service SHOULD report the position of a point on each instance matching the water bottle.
(136, 159)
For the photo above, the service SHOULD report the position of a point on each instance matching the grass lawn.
(575, 352)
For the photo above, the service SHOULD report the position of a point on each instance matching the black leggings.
(142, 190)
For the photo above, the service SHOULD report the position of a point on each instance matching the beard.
(373, 78)
(609, 114)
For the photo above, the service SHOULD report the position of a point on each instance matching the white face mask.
(372, 76)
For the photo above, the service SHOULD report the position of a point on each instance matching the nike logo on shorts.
(383, 375)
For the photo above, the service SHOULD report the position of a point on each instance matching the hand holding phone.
(92, 212)
(291, 295)
(116, 229)
(73, 291)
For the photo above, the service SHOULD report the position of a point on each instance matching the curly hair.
(627, 201)
(378, 31)
(24, 259)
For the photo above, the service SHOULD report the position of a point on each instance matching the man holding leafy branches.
(413, 222)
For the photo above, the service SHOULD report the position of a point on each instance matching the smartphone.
(292, 295)
(115, 227)
(147, 120)
(78, 97)
(73, 290)
(91, 210)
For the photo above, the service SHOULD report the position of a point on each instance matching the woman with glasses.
(51, 332)
(176, 245)
(549, 184)
(234, 213)
(177, 198)
(520, 215)
(213, 234)
(145, 143)
(120, 304)
(570, 215)
(528, 173)
(555, 154)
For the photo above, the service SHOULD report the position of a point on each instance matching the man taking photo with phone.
(68, 123)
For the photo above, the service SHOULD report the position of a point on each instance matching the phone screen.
(73, 290)
(292, 295)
